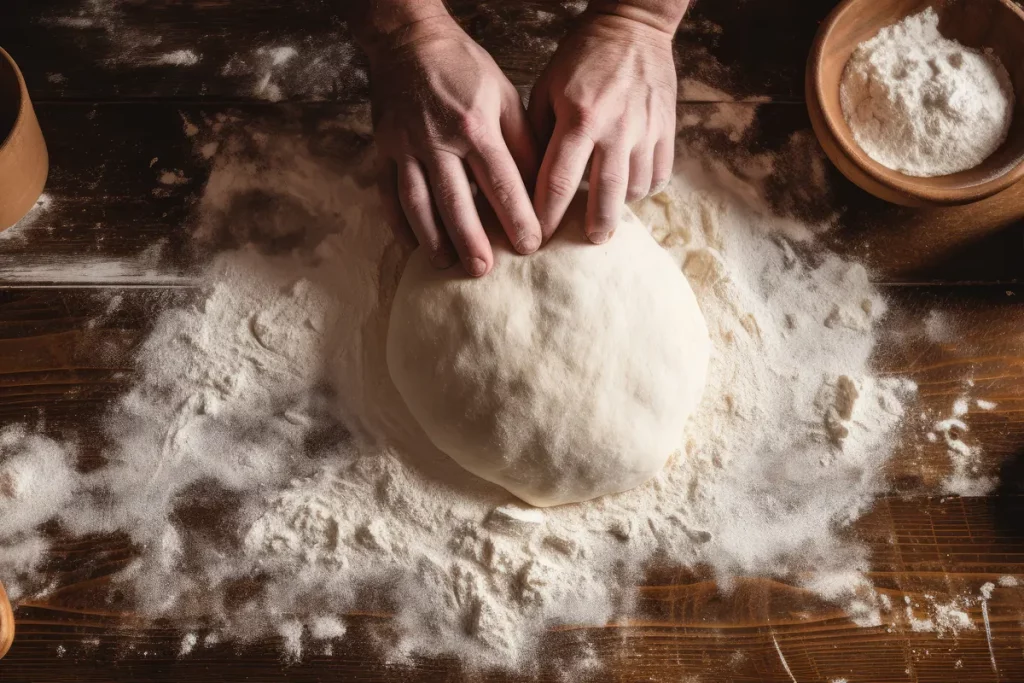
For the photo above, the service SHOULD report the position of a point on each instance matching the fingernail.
(599, 237)
(661, 186)
(476, 267)
(442, 259)
(528, 244)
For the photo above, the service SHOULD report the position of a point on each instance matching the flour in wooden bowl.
(923, 104)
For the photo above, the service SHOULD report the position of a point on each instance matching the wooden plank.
(955, 342)
(123, 186)
(686, 627)
(71, 50)
(750, 49)
(66, 353)
(113, 221)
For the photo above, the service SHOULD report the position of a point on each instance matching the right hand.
(440, 105)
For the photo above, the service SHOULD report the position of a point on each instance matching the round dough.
(561, 376)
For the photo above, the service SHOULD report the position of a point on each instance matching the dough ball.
(561, 376)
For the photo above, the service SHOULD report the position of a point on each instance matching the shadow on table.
(1009, 497)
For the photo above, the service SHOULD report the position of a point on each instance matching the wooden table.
(105, 123)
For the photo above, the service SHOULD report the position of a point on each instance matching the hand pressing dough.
(561, 376)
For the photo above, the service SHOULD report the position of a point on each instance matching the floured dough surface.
(561, 376)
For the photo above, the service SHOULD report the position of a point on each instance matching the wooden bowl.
(994, 24)
(6, 623)
(23, 159)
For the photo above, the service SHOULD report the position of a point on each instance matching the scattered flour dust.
(272, 481)
(19, 232)
(945, 618)
(965, 456)
(321, 63)
(314, 67)
(925, 105)
(178, 58)
(188, 643)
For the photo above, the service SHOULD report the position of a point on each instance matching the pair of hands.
(444, 113)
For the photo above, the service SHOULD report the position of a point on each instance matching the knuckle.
(561, 185)
(504, 190)
(448, 197)
(611, 179)
(471, 126)
(583, 119)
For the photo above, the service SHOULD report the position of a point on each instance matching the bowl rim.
(913, 188)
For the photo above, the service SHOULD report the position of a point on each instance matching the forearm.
(664, 15)
(380, 22)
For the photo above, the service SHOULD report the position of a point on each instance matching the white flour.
(925, 105)
(944, 618)
(178, 58)
(37, 481)
(321, 68)
(291, 66)
(263, 446)
(967, 477)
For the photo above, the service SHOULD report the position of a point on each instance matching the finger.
(454, 200)
(519, 137)
(498, 176)
(540, 114)
(387, 186)
(414, 194)
(560, 173)
(609, 179)
(641, 169)
(664, 156)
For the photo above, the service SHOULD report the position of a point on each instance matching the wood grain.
(67, 341)
(112, 221)
(926, 550)
(747, 48)
(65, 354)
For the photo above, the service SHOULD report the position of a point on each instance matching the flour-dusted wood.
(108, 123)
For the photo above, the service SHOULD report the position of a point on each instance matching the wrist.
(382, 25)
(660, 15)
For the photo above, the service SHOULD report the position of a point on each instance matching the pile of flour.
(925, 105)
(272, 481)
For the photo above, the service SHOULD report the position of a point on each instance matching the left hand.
(607, 97)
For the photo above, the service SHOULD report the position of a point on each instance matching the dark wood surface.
(62, 359)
